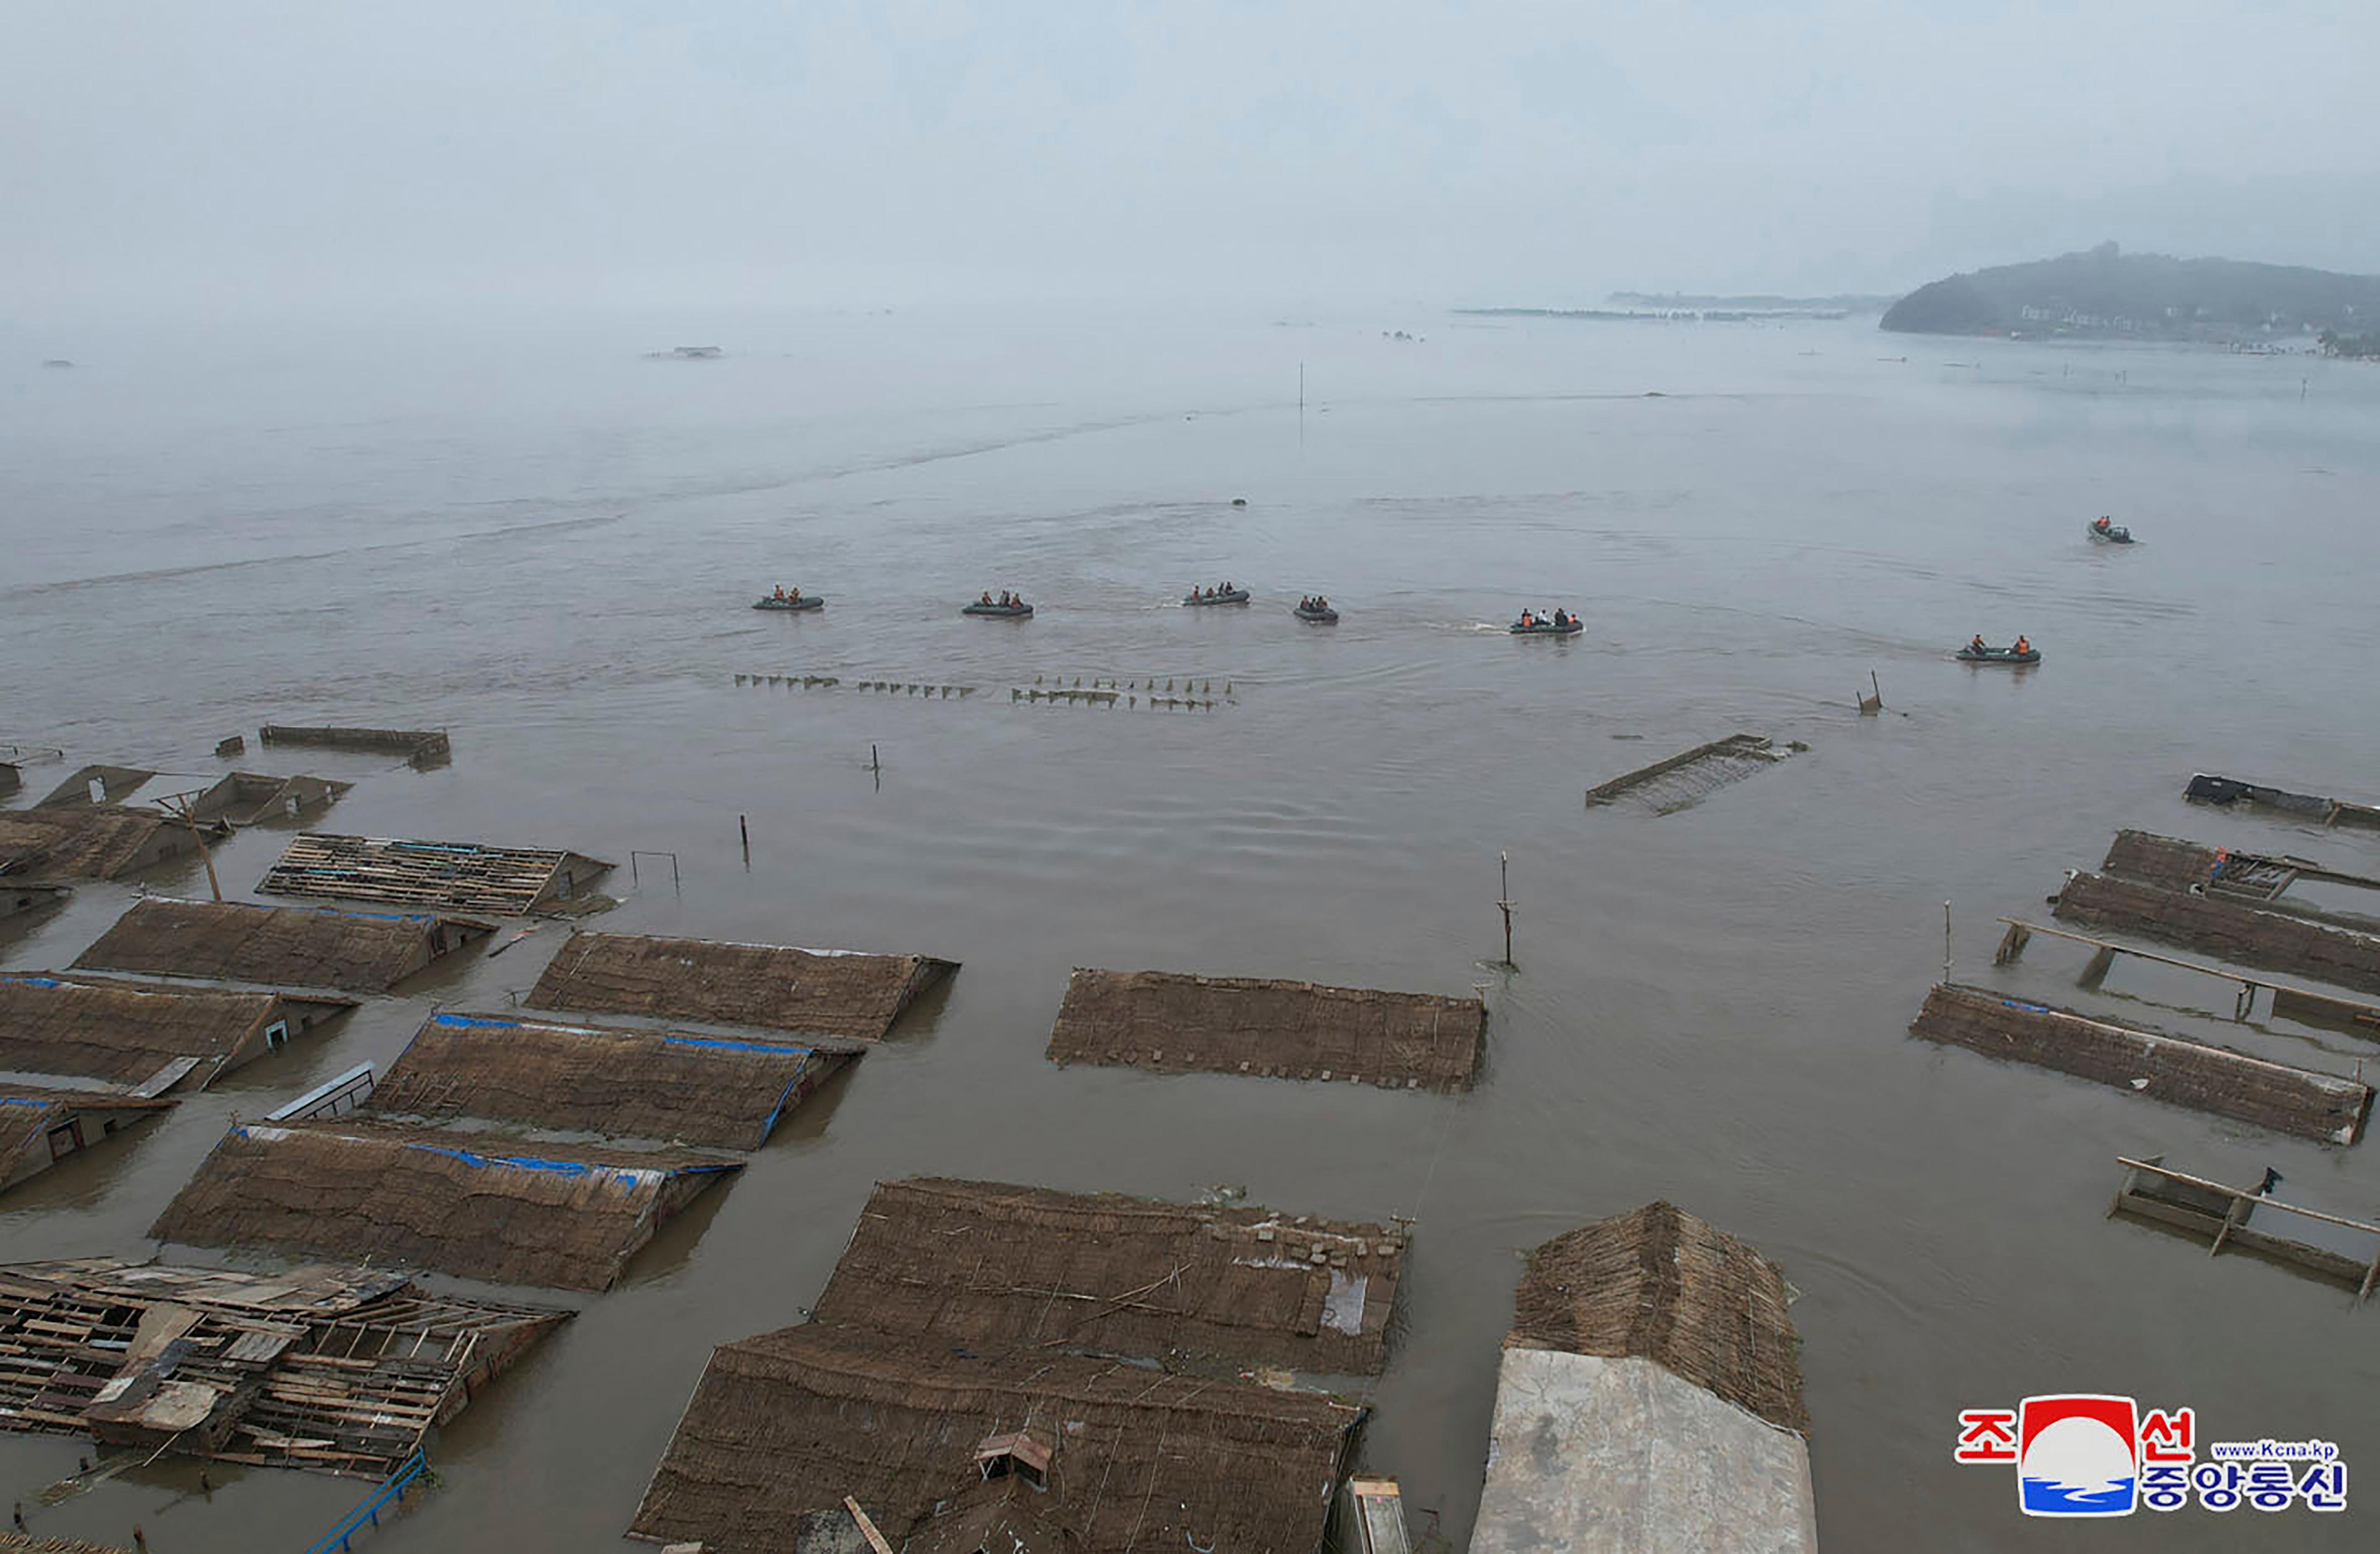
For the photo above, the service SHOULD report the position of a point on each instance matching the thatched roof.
(342, 1370)
(1659, 1284)
(793, 1421)
(28, 1112)
(124, 1032)
(983, 1266)
(478, 1205)
(1299, 1030)
(450, 876)
(78, 842)
(776, 987)
(25, 1543)
(2134, 1059)
(727, 1092)
(2225, 930)
(295, 946)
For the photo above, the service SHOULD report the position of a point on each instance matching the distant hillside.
(2110, 294)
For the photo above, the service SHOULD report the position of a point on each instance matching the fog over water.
(361, 429)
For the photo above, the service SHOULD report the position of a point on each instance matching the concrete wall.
(1618, 1456)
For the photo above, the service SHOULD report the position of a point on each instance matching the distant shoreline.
(1661, 315)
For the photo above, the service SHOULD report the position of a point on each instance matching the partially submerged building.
(72, 842)
(2224, 792)
(16, 901)
(290, 946)
(247, 798)
(1010, 1369)
(39, 1127)
(146, 1036)
(774, 987)
(783, 1426)
(2226, 929)
(718, 1091)
(341, 1370)
(482, 1205)
(1174, 1023)
(421, 747)
(97, 785)
(2215, 1080)
(449, 876)
(1650, 1399)
(1048, 1269)
(2253, 879)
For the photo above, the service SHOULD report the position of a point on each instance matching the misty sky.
(208, 153)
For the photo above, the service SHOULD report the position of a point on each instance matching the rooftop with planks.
(455, 876)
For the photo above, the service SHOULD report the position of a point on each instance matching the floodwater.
(547, 544)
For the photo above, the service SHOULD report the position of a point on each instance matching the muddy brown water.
(549, 546)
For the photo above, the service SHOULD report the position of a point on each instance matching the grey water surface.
(532, 536)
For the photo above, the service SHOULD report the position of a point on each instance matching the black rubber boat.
(1999, 655)
(1200, 600)
(1547, 628)
(808, 601)
(1318, 618)
(2112, 535)
(999, 612)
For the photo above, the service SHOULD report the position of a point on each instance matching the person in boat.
(1561, 620)
(2101, 526)
(986, 597)
(1527, 620)
(2022, 647)
(1977, 645)
(780, 590)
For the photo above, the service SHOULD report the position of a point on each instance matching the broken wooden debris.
(2150, 1191)
(2215, 1080)
(339, 1370)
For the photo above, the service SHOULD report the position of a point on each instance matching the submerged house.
(338, 1369)
(1173, 1023)
(72, 842)
(247, 798)
(40, 1127)
(721, 1092)
(98, 784)
(483, 1205)
(444, 876)
(290, 946)
(783, 1428)
(1650, 1399)
(2216, 1080)
(1242, 1285)
(772, 987)
(1006, 1368)
(146, 1036)
(2227, 930)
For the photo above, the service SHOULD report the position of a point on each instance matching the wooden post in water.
(179, 805)
(1945, 941)
(744, 829)
(1504, 871)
